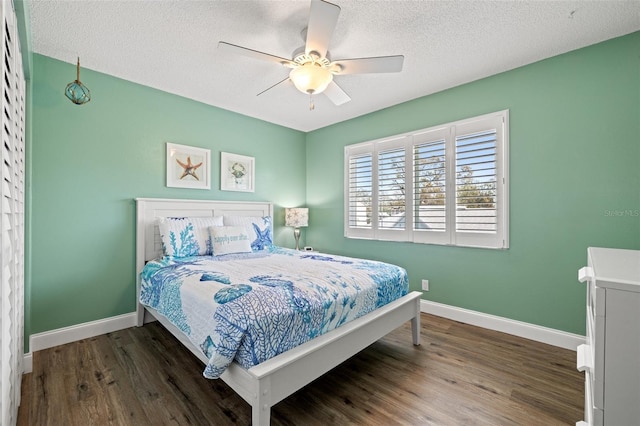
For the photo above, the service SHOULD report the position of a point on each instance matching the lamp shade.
(296, 217)
(311, 78)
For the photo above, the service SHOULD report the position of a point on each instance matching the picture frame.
(188, 167)
(237, 172)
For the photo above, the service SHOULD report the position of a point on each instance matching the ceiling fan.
(312, 69)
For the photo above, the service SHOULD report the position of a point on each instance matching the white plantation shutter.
(430, 187)
(429, 167)
(12, 157)
(480, 181)
(443, 185)
(376, 190)
(391, 182)
(476, 182)
(391, 194)
(358, 193)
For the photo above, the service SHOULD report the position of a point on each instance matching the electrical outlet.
(425, 285)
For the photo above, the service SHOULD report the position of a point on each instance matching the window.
(442, 185)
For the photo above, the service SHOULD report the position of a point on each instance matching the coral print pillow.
(230, 239)
(187, 236)
(259, 228)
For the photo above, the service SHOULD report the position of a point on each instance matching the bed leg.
(261, 407)
(139, 315)
(260, 417)
(415, 325)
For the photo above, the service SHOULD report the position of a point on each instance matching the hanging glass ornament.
(77, 92)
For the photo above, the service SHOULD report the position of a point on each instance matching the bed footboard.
(270, 382)
(281, 376)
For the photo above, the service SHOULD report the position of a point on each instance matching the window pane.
(476, 182)
(360, 190)
(429, 186)
(391, 189)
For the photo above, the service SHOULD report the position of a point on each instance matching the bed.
(265, 384)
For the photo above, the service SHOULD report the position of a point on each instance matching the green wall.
(574, 148)
(574, 183)
(88, 164)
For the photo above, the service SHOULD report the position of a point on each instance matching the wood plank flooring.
(460, 375)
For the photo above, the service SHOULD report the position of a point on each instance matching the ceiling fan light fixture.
(311, 78)
(312, 70)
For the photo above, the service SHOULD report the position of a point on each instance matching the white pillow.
(260, 229)
(187, 236)
(230, 239)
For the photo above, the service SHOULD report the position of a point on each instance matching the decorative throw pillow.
(187, 236)
(230, 239)
(260, 229)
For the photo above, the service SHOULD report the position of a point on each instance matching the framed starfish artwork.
(237, 172)
(188, 167)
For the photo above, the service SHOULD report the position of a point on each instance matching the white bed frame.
(268, 383)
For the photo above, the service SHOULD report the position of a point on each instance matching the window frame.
(449, 133)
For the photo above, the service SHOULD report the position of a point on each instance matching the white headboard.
(148, 242)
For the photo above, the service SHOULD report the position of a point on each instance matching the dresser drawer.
(594, 383)
(591, 327)
(596, 296)
(593, 416)
(598, 361)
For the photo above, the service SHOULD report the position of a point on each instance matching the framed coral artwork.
(188, 167)
(237, 172)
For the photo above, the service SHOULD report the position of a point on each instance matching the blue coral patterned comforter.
(253, 306)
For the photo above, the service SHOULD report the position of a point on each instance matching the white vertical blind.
(12, 155)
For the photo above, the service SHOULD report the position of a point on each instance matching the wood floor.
(460, 375)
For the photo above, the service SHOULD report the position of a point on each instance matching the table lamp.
(296, 217)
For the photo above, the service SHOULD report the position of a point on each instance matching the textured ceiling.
(171, 45)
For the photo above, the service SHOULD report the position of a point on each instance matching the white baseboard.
(61, 336)
(517, 328)
(27, 363)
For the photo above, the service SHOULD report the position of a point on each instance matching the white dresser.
(611, 356)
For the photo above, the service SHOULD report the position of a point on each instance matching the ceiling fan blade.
(336, 94)
(369, 65)
(255, 54)
(271, 87)
(323, 18)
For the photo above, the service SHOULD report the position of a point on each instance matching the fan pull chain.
(311, 105)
